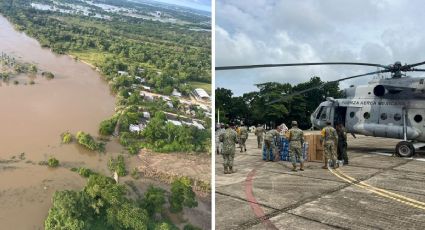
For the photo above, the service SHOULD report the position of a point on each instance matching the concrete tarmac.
(375, 191)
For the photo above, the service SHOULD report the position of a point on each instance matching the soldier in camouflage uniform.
(218, 143)
(296, 140)
(268, 141)
(342, 143)
(259, 131)
(243, 134)
(330, 139)
(229, 139)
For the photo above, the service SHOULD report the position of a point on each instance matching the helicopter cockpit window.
(397, 117)
(384, 116)
(366, 115)
(418, 118)
(352, 114)
(318, 113)
(421, 81)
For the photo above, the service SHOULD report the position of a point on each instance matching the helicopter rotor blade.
(416, 64)
(418, 70)
(298, 64)
(321, 85)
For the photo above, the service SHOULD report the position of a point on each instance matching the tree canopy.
(252, 107)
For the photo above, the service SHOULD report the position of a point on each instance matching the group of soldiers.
(334, 141)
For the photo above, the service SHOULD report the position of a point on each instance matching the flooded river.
(32, 117)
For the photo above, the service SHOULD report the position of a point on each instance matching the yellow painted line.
(380, 191)
(383, 190)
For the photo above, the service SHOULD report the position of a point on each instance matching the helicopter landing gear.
(405, 149)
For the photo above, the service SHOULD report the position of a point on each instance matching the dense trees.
(88, 142)
(103, 204)
(163, 136)
(182, 195)
(252, 108)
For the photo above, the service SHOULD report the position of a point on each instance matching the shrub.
(66, 137)
(88, 141)
(117, 165)
(85, 172)
(48, 75)
(53, 162)
(107, 127)
(182, 195)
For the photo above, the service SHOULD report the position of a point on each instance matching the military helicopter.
(391, 107)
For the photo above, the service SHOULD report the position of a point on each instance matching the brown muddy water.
(32, 117)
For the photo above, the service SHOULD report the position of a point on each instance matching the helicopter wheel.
(405, 149)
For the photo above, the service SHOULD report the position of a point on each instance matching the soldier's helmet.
(294, 123)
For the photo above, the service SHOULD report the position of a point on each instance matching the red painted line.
(258, 211)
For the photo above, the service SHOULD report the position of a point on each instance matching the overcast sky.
(287, 31)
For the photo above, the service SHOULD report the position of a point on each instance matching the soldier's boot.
(335, 164)
(231, 170)
(302, 166)
(326, 164)
(294, 167)
(226, 171)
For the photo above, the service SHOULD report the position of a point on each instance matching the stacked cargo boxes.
(315, 150)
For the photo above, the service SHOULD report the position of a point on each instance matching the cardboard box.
(315, 148)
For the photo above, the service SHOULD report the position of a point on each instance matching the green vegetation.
(166, 137)
(153, 201)
(53, 162)
(103, 204)
(85, 172)
(135, 173)
(117, 165)
(252, 108)
(191, 227)
(48, 75)
(182, 195)
(107, 127)
(66, 137)
(88, 142)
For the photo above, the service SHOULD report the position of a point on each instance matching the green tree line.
(252, 108)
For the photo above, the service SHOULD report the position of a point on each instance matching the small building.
(204, 107)
(169, 104)
(174, 122)
(197, 125)
(121, 73)
(147, 88)
(166, 98)
(176, 93)
(201, 94)
(134, 128)
(146, 115)
(140, 79)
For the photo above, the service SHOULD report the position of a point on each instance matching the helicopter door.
(340, 114)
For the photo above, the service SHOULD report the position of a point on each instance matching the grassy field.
(91, 56)
(202, 85)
